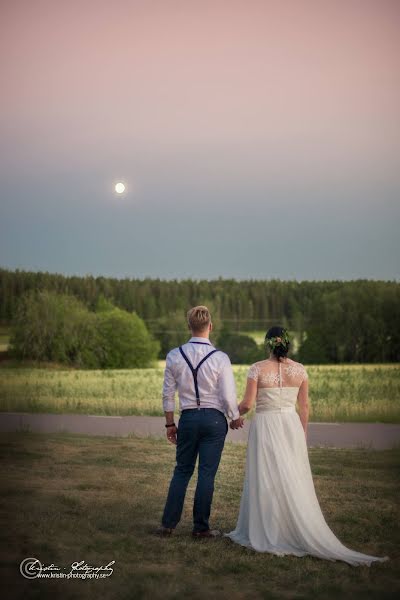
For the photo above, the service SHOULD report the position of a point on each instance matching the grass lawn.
(360, 393)
(69, 498)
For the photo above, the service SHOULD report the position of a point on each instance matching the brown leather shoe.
(210, 533)
(164, 531)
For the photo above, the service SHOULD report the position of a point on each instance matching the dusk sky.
(256, 139)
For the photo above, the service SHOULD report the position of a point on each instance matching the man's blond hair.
(198, 318)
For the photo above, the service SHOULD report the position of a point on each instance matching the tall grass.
(338, 393)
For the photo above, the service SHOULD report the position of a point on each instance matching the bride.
(279, 510)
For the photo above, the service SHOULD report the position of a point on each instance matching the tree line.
(331, 321)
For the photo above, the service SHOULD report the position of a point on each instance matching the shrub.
(58, 328)
(170, 331)
(124, 340)
(241, 349)
(314, 349)
(50, 327)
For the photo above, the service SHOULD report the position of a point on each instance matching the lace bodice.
(277, 383)
(270, 373)
(283, 399)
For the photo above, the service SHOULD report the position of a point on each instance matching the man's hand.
(171, 434)
(236, 423)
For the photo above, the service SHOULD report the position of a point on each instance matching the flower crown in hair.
(279, 340)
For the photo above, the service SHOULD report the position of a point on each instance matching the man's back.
(204, 380)
(216, 384)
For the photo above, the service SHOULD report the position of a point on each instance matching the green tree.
(171, 331)
(313, 351)
(58, 328)
(359, 320)
(54, 327)
(124, 341)
(241, 349)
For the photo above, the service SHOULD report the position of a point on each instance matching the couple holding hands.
(279, 511)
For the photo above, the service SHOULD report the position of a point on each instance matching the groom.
(204, 379)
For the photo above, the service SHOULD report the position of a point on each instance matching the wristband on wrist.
(170, 425)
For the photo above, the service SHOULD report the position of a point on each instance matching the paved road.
(377, 436)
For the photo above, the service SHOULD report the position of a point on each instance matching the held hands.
(237, 423)
(172, 431)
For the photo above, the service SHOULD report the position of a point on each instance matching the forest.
(332, 321)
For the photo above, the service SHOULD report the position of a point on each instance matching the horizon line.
(196, 279)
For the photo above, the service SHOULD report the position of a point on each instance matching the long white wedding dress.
(279, 510)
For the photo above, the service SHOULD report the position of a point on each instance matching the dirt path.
(334, 435)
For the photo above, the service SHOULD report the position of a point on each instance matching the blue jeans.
(201, 432)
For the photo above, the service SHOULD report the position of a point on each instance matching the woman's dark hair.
(280, 348)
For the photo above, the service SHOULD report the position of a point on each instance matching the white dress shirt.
(215, 379)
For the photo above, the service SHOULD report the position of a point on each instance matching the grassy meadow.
(358, 393)
(69, 498)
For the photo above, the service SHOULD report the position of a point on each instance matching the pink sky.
(312, 74)
(292, 94)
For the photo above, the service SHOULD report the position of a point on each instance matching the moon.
(120, 187)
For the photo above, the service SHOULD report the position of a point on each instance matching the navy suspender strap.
(196, 369)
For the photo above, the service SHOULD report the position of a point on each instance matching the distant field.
(258, 336)
(363, 393)
(4, 338)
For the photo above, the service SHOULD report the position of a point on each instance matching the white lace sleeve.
(305, 374)
(253, 373)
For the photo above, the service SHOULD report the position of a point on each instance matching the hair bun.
(277, 341)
